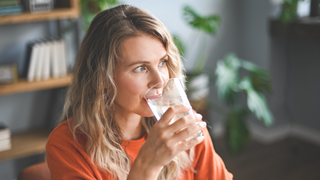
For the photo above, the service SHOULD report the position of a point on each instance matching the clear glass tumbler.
(165, 94)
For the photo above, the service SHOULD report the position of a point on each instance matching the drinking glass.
(166, 94)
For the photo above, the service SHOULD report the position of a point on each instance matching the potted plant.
(233, 78)
(236, 78)
(288, 10)
(197, 79)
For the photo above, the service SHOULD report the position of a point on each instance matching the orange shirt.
(67, 160)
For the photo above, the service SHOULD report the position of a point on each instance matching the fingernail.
(199, 116)
(203, 124)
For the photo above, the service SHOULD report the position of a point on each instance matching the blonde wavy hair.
(90, 97)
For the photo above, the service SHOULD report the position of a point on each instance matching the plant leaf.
(260, 82)
(289, 11)
(259, 78)
(208, 24)
(256, 102)
(89, 9)
(179, 45)
(212, 24)
(227, 78)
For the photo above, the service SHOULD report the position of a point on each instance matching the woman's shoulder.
(62, 130)
(62, 135)
(63, 126)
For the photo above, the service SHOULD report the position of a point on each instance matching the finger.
(189, 131)
(172, 111)
(185, 145)
(184, 122)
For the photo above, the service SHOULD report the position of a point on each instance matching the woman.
(108, 130)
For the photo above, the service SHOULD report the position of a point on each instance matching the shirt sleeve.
(208, 164)
(65, 160)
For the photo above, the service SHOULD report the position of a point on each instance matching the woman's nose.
(157, 80)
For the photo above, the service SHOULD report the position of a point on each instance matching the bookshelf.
(23, 85)
(30, 143)
(26, 144)
(65, 9)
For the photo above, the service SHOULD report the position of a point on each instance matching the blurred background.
(289, 52)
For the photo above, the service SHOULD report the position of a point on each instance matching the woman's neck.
(130, 125)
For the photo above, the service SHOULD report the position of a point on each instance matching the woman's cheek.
(134, 88)
(165, 74)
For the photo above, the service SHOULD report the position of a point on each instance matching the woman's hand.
(166, 140)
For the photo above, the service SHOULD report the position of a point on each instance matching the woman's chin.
(147, 113)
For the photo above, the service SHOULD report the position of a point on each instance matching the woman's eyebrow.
(164, 56)
(138, 62)
(144, 62)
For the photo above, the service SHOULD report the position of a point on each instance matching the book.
(11, 7)
(54, 59)
(33, 62)
(46, 61)
(5, 142)
(45, 58)
(5, 137)
(5, 148)
(63, 61)
(39, 66)
(4, 131)
(27, 59)
(6, 10)
(60, 58)
(9, 2)
(39, 61)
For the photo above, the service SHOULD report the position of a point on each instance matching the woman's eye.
(140, 69)
(163, 63)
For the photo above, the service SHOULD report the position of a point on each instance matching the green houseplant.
(197, 79)
(90, 8)
(289, 11)
(234, 78)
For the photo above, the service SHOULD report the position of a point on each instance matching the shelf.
(65, 10)
(26, 144)
(303, 28)
(23, 85)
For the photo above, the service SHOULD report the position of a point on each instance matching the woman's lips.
(154, 96)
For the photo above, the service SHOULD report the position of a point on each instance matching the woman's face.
(143, 64)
